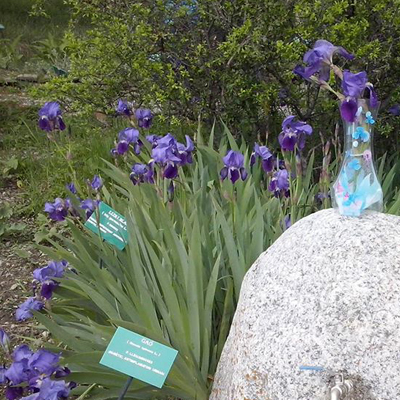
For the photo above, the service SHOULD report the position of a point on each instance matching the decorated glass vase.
(357, 189)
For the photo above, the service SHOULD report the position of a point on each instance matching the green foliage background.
(228, 59)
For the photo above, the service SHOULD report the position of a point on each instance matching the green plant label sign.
(111, 226)
(139, 357)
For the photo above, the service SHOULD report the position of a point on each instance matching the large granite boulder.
(326, 294)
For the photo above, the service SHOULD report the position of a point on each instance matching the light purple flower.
(54, 269)
(293, 133)
(353, 85)
(142, 173)
(96, 183)
(50, 390)
(50, 117)
(319, 59)
(233, 166)
(153, 139)
(58, 210)
(144, 117)
(279, 183)
(123, 108)
(22, 352)
(44, 362)
(24, 311)
(267, 158)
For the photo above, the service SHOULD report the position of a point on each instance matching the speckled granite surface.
(327, 293)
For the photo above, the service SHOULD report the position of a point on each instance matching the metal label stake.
(125, 388)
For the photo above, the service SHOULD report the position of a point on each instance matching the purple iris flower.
(50, 117)
(268, 159)
(123, 108)
(395, 110)
(233, 166)
(22, 352)
(14, 392)
(319, 60)
(165, 154)
(185, 152)
(279, 183)
(348, 110)
(18, 372)
(144, 117)
(71, 187)
(89, 206)
(353, 85)
(55, 269)
(125, 138)
(50, 390)
(24, 311)
(153, 139)
(3, 378)
(58, 210)
(44, 362)
(43, 275)
(4, 341)
(293, 132)
(142, 173)
(96, 183)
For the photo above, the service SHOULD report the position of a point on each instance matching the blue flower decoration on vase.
(370, 119)
(361, 133)
(354, 164)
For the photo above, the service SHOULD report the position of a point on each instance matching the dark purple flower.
(48, 288)
(144, 117)
(89, 206)
(71, 187)
(233, 166)
(4, 341)
(279, 183)
(123, 108)
(62, 372)
(58, 210)
(55, 269)
(171, 191)
(14, 392)
(50, 390)
(348, 110)
(96, 183)
(353, 85)
(44, 362)
(142, 173)
(395, 110)
(319, 60)
(50, 117)
(268, 159)
(24, 311)
(293, 132)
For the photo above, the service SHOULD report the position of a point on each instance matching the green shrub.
(227, 59)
